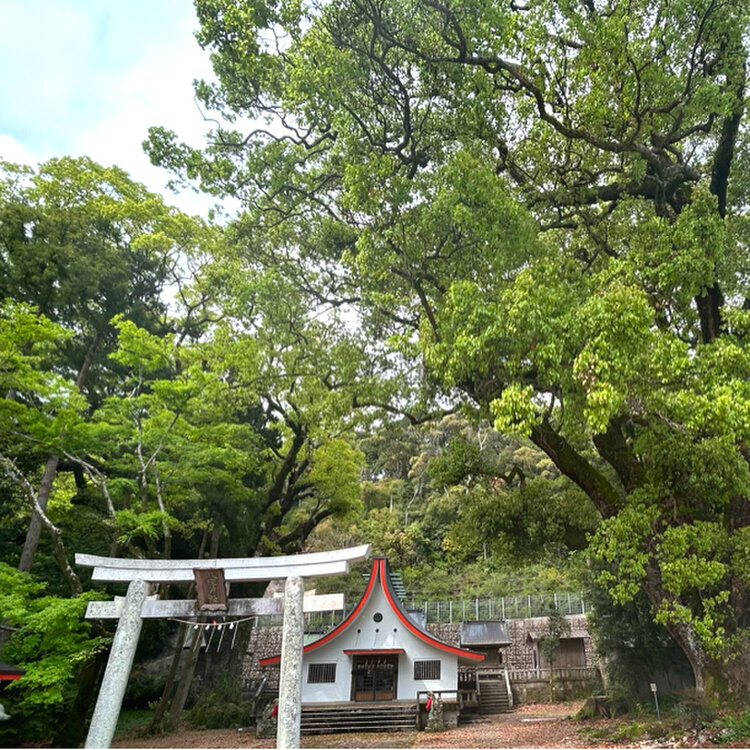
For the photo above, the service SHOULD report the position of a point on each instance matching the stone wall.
(449, 633)
(265, 641)
(520, 654)
(538, 691)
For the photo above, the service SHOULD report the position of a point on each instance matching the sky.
(88, 77)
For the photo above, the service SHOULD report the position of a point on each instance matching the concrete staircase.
(493, 696)
(324, 718)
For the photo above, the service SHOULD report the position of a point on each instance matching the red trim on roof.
(379, 571)
(374, 651)
(339, 628)
(414, 629)
(269, 661)
(6, 676)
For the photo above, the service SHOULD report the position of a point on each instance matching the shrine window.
(317, 673)
(428, 669)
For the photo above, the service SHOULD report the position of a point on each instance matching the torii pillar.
(290, 671)
(140, 573)
(120, 661)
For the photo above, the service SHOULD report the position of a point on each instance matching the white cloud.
(15, 151)
(157, 92)
(89, 77)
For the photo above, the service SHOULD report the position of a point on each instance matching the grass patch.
(621, 732)
(133, 719)
(735, 727)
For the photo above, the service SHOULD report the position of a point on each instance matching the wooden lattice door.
(374, 677)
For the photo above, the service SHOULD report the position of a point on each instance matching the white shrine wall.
(366, 634)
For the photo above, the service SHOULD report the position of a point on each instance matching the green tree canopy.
(539, 209)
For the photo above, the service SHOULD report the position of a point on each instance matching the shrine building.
(379, 653)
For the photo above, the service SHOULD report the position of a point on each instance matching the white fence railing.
(543, 674)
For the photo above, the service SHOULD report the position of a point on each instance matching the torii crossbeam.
(141, 573)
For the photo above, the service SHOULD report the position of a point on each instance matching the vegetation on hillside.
(485, 307)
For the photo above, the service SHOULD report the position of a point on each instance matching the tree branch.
(58, 549)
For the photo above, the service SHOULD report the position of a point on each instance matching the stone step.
(356, 717)
(493, 697)
(355, 728)
(374, 725)
(322, 720)
(363, 711)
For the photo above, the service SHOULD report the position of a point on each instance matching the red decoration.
(275, 710)
(429, 704)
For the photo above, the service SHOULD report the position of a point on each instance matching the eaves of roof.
(379, 574)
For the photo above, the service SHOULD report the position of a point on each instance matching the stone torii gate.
(137, 605)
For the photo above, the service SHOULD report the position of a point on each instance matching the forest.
(485, 306)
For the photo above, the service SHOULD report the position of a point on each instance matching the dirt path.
(540, 726)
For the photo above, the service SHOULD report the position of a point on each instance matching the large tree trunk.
(50, 471)
(166, 695)
(710, 676)
(35, 526)
(58, 548)
(190, 660)
(726, 680)
(733, 678)
(186, 678)
(686, 638)
(222, 667)
(573, 465)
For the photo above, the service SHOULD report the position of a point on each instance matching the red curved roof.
(379, 573)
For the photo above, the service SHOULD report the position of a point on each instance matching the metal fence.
(502, 608)
(462, 610)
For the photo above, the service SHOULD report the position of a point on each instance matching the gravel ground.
(538, 726)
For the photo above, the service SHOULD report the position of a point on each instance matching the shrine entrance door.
(374, 677)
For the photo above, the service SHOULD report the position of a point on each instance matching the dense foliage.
(50, 640)
(538, 211)
(486, 305)
(156, 400)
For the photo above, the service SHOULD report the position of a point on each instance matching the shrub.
(223, 708)
(693, 711)
(736, 727)
(217, 714)
(53, 644)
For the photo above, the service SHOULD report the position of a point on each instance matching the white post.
(290, 677)
(120, 661)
